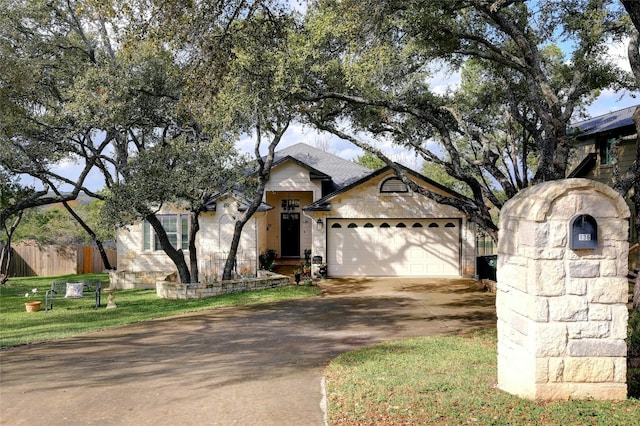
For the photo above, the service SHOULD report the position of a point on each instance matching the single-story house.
(593, 155)
(361, 222)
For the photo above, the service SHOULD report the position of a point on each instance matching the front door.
(290, 234)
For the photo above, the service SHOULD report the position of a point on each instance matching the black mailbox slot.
(583, 232)
(316, 260)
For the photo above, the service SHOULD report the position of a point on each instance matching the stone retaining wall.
(127, 280)
(172, 290)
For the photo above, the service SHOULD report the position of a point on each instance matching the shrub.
(267, 259)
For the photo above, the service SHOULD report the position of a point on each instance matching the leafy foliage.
(370, 161)
(505, 126)
(54, 225)
(267, 259)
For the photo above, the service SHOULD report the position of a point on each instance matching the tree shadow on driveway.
(193, 358)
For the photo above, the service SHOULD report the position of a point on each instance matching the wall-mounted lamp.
(319, 224)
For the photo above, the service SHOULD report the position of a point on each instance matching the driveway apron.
(258, 365)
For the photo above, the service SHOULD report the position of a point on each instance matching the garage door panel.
(420, 248)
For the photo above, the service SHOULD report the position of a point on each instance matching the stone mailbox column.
(562, 314)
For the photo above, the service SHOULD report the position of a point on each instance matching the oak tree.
(374, 62)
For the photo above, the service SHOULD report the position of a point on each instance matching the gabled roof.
(322, 164)
(313, 173)
(323, 204)
(606, 123)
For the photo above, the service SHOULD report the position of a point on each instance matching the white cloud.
(610, 100)
(443, 79)
(618, 54)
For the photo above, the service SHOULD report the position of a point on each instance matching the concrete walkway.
(258, 365)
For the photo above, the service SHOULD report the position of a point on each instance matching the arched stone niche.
(562, 314)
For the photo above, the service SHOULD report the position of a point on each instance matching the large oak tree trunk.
(193, 253)
(5, 254)
(264, 170)
(177, 256)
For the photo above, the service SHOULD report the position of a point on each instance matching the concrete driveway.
(259, 365)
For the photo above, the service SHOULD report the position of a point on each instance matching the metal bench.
(65, 290)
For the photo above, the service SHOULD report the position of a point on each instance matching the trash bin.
(487, 266)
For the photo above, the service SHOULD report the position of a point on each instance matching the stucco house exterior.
(361, 222)
(593, 155)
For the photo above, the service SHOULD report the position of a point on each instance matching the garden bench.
(64, 290)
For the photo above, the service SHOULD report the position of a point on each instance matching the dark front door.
(290, 234)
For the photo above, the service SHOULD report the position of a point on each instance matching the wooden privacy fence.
(30, 259)
(485, 245)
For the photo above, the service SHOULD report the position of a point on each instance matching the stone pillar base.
(562, 303)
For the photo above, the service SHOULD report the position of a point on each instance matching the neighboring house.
(361, 222)
(593, 156)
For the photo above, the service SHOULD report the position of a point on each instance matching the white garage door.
(393, 247)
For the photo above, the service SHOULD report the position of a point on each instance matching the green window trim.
(606, 151)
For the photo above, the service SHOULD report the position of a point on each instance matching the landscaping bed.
(265, 280)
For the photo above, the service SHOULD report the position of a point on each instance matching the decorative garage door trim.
(394, 247)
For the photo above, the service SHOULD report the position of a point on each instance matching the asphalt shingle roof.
(606, 122)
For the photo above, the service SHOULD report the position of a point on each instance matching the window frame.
(605, 151)
(393, 180)
(150, 242)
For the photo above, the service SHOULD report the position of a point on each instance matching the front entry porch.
(288, 228)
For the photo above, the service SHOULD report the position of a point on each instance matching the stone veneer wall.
(129, 280)
(172, 290)
(562, 314)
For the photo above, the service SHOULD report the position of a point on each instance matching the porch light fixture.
(319, 224)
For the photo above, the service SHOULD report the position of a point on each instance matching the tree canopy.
(155, 95)
(527, 69)
(370, 161)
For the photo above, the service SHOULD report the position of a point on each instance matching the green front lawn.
(447, 380)
(73, 317)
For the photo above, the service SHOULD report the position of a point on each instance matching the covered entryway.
(394, 247)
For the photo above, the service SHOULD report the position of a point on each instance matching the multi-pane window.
(177, 228)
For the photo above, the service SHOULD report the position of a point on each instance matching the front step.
(286, 266)
(289, 261)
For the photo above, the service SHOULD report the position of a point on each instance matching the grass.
(447, 380)
(74, 317)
